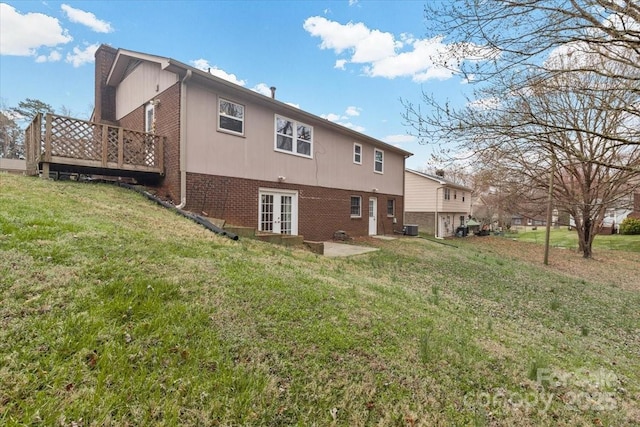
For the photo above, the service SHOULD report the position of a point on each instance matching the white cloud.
(353, 111)
(262, 89)
(353, 2)
(419, 63)
(82, 56)
(342, 120)
(87, 19)
(385, 55)
(203, 64)
(54, 56)
(331, 117)
(399, 139)
(22, 35)
(484, 103)
(350, 125)
(365, 44)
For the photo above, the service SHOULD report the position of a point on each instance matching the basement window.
(356, 207)
(391, 207)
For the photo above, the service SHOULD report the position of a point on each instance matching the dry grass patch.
(611, 267)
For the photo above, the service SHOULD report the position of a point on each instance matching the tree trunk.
(586, 234)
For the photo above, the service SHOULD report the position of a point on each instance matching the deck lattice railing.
(70, 141)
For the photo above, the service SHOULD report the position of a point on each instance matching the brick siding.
(321, 211)
(105, 96)
(424, 220)
(167, 116)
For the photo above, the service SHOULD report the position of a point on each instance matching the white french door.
(373, 216)
(278, 211)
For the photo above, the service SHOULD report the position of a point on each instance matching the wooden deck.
(65, 144)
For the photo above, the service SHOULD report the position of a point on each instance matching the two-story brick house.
(438, 206)
(250, 159)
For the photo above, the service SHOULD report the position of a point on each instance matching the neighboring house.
(438, 206)
(522, 221)
(250, 159)
(13, 165)
(636, 207)
(628, 206)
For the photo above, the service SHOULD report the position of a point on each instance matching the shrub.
(630, 226)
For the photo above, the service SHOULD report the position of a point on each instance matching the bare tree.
(514, 43)
(11, 146)
(557, 121)
(556, 82)
(508, 34)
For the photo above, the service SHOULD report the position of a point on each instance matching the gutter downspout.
(183, 140)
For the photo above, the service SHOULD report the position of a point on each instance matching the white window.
(357, 153)
(149, 118)
(293, 137)
(356, 207)
(378, 161)
(447, 194)
(230, 117)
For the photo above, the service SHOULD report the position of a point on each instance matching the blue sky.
(349, 61)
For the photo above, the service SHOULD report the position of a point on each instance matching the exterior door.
(373, 216)
(278, 212)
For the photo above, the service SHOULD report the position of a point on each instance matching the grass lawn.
(563, 238)
(115, 311)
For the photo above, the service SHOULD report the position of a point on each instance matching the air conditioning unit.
(411, 230)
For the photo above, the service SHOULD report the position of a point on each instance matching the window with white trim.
(378, 161)
(230, 117)
(293, 137)
(356, 207)
(357, 153)
(149, 117)
(447, 194)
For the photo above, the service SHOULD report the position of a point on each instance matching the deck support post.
(45, 170)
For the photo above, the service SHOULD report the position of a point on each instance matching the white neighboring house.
(436, 205)
(614, 216)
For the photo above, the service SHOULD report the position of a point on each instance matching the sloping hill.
(115, 311)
